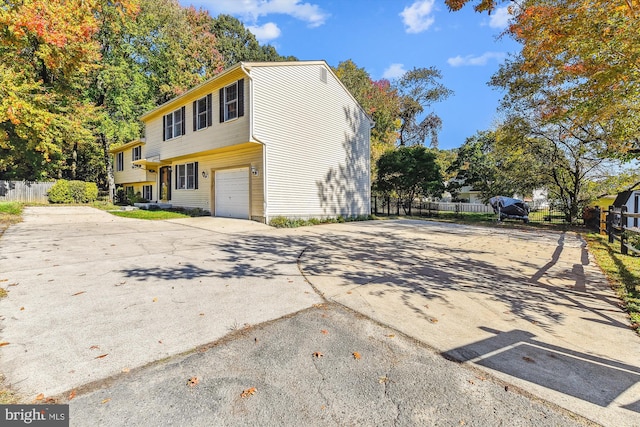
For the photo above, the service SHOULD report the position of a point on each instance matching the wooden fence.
(24, 191)
(617, 230)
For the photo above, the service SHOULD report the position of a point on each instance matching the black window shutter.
(221, 105)
(209, 112)
(195, 173)
(164, 128)
(195, 116)
(184, 121)
(240, 97)
(176, 175)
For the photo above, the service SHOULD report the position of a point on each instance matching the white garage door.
(232, 193)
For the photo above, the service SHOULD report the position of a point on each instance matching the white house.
(630, 199)
(259, 140)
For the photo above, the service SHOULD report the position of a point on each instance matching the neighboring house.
(465, 194)
(630, 199)
(259, 140)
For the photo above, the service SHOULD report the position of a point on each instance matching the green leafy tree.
(493, 168)
(419, 89)
(236, 43)
(47, 50)
(587, 53)
(407, 173)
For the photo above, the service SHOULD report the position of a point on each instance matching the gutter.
(256, 139)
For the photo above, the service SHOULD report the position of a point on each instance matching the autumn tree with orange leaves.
(47, 52)
(588, 53)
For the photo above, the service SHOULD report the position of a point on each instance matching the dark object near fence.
(506, 207)
(617, 229)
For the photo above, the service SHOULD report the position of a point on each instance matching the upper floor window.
(120, 161)
(202, 113)
(136, 153)
(173, 124)
(232, 101)
(187, 176)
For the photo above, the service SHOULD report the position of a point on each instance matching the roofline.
(139, 141)
(246, 67)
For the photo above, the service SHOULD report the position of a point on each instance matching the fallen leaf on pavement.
(356, 355)
(78, 293)
(528, 359)
(40, 396)
(3, 343)
(383, 380)
(317, 354)
(248, 392)
(4, 280)
(349, 292)
(433, 320)
(106, 401)
(101, 356)
(21, 308)
(324, 331)
(155, 300)
(72, 394)
(391, 336)
(94, 347)
(125, 370)
(193, 381)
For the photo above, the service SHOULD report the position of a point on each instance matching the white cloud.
(394, 71)
(310, 13)
(419, 16)
(459, 61)
(266, 32)
(499, 18)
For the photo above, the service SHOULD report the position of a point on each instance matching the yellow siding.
(131, 173)
(317, 143)
(249, 156)
(218, 135)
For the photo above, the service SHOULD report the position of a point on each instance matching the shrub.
(64, 191)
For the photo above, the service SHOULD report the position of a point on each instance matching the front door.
(165, 183)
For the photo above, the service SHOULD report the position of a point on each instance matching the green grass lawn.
(153, 215)
(623, 272)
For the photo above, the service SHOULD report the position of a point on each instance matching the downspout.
(264, 146)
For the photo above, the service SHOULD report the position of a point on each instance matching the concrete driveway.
(93, 296)
(530, 307)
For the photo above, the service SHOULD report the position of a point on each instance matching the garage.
(232, 193)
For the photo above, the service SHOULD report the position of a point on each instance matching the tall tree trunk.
(74, 161)
(109, 166)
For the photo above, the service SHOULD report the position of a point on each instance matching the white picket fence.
(24, 191)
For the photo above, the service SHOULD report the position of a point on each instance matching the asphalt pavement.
(206, 321)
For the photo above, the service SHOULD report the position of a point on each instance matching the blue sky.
(388, 37)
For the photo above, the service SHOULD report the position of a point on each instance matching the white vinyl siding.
(317, 140)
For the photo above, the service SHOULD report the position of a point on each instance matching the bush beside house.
(64, 191)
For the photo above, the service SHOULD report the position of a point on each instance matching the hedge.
(64, 191)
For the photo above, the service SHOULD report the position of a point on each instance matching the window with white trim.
(120, 161)
(136, 153)
(202, 113)
(173, 124)
(232, 101)
(147, 192)
(187, 176)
